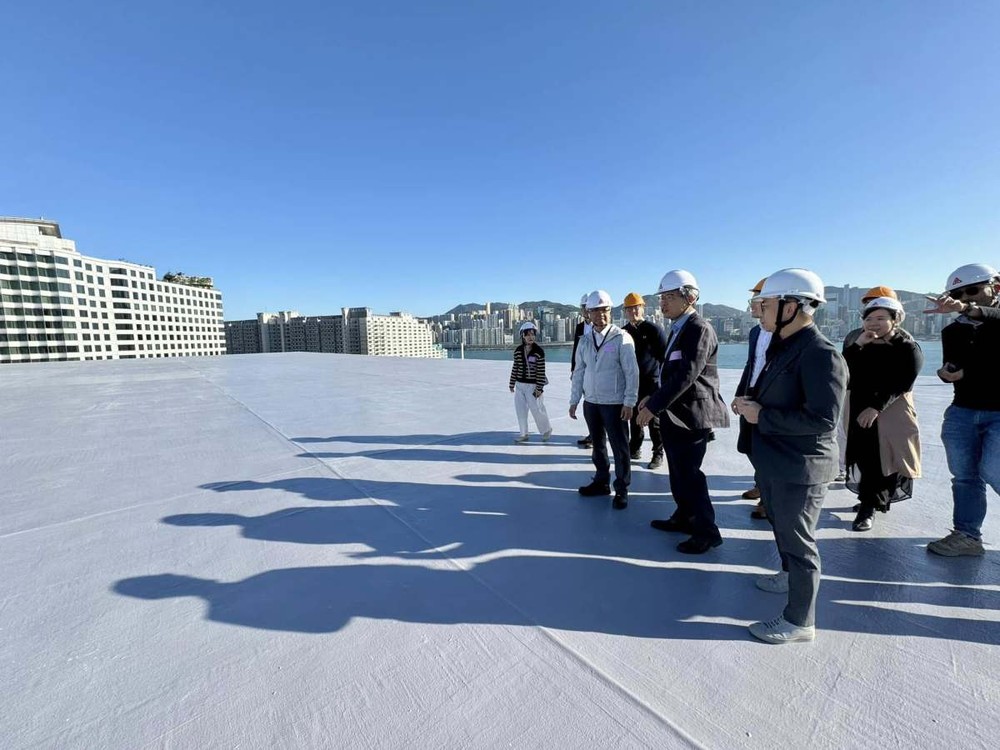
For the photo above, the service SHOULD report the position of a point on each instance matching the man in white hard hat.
(606, 370)
(582, 328)
(794, 411)
(971, 429)
(689, 406)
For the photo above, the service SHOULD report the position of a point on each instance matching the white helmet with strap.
(599, 298)
(884, 303)
(794, 283)
(527, 326)
(973, 273)
(680, 280)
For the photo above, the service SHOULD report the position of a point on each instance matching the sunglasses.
(967, 291)
(528, 333)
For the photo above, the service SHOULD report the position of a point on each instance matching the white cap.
(973, 273)
(599, 298)
(683, 280)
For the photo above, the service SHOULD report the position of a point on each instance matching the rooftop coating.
(311, 550)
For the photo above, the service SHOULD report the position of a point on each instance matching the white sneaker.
(546, 436)
(775, 584)
(521, 439)
(956, 544)
(779, 630)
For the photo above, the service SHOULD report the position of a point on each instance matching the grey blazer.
(688, 397)
(801, 392)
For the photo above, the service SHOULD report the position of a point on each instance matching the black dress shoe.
(635, 455)
(656, 462)
(585, 442)
(620, 501)
(672, 524)
(595, 489)
(697, 545)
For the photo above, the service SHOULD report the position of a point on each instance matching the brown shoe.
(752, 494)
(759, 512)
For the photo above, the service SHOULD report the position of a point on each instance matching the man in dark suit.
(688, 405)
(794, 412)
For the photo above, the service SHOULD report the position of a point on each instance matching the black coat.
(744, 442)
(650, 346)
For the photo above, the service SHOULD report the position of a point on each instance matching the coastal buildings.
(57, 304)
(357, 330)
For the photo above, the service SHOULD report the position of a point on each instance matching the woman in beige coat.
(883, 441)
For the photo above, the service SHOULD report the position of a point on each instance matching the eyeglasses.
(966, 291)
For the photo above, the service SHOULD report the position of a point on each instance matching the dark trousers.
(635, 434)
(605, 420)
(685, 450)
(794, 510)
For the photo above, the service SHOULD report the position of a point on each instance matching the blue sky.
(415, 155)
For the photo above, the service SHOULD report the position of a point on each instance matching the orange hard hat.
(632, 299)
(758, 286)
(879, 291)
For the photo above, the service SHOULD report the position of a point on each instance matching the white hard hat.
(678, 279)
(527, 326)
(583, 300)
(884, 303)
(599, 298)
(973, 273)
(797, 283)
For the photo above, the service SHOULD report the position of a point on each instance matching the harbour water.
(731, 356)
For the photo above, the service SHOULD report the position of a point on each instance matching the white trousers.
(525, 401)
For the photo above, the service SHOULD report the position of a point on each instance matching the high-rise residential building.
(56, 304)
(355, 331)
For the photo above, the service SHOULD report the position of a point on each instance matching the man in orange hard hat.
(650, 348)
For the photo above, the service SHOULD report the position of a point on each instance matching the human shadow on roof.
(565, 593)
(463, 438)
(579, 594)
(456, 456)
(643, 481)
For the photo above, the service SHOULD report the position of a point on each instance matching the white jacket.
(608, 374)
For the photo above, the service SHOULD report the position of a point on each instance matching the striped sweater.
(530, 369)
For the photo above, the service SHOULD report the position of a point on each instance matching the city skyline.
(403, 155)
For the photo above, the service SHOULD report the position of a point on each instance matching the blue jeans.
(971, 440)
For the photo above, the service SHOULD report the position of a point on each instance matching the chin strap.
(780, 322)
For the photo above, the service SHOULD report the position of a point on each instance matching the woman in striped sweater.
(527, 381)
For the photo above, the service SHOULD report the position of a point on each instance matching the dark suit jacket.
(576, 342)
(688, 397)
(801, 393)
(650, 345)
(744, 442)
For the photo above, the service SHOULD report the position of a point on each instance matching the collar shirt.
(600, 335)
(675, 329)
(760, 355)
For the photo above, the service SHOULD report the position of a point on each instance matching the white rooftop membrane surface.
(306, 550)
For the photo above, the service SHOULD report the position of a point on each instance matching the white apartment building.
(355, 331)
(56, 304)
